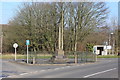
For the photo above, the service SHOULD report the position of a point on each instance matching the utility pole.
(106, 43)
(112, 38)
(113, 47)
(112, 43)
(1, 41)
(109, 42)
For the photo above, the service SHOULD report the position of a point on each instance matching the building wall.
(96, 51)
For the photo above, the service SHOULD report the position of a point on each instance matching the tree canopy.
(39, 22)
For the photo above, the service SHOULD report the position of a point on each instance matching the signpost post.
(27, 43)
(15, 45)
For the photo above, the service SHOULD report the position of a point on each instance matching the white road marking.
(36, 71)
(9, 76)
(82, 64)
(23, 73)
(31, 72)
(12, 76)
(68, 66)
(41, 70)
(62, 67)
(56, 68)
(99, 73)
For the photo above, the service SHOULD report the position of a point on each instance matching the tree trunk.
(75, 45)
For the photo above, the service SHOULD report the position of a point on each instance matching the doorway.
(100, 50)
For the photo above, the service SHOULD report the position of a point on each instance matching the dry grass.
(20, 56)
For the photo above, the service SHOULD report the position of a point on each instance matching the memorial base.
(60, 57)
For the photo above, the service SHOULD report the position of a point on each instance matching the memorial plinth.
(60, 57)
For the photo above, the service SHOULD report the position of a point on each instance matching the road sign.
(15, 45)
(27, 42)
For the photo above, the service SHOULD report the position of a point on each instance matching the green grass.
(108, 56)
(72, 56)
(8, 56)
(44, 57)
(48, 56)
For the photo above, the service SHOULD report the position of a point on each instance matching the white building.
(101, 49)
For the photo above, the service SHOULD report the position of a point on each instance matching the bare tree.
(42, 22)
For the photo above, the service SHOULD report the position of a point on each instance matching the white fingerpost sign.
(27, 43)
(15, 45)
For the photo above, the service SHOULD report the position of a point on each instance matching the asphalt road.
(104, 68)
(10, 69)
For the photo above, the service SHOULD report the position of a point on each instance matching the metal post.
(113, 48)
(1, 43)
(95, 57)
(62, 31)
(15, 54)
(109, 43)
(112, 39)
(27, 53)
(106, 47)
(33, 60)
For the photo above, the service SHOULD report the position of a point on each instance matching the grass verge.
(19, 56)
(108, 56)
(48, 56)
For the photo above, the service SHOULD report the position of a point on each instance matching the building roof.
(100, 45)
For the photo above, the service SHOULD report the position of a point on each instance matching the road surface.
(103, 68)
